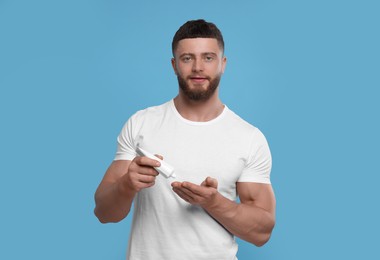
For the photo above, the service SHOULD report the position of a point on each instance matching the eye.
(209, 58)
(186, 59)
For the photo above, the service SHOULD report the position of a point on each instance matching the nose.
(197, 65)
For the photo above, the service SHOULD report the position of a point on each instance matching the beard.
(199, 94)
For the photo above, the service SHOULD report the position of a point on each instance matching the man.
(216, 155)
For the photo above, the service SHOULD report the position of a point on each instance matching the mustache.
(198, 76)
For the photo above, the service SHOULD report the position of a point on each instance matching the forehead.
(198, 46)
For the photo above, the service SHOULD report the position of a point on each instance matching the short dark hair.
(197, 29)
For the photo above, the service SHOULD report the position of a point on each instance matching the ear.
(224, 63)
(174, 65)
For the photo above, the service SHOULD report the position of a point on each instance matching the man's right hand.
(141, 174)
(121, 182)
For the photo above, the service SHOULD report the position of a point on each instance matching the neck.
(199, 111)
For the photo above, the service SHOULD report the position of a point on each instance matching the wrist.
(214, 203)
(220, 205)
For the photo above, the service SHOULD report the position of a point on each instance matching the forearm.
(246, 221)
(113, 202)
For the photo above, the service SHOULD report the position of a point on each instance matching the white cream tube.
(165, 169)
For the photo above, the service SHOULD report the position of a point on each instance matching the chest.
(199, 152)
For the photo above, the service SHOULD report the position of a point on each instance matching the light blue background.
(305, 72)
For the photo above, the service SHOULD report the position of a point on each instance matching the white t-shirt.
(226, 148)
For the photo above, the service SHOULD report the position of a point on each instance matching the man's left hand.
(204, 195)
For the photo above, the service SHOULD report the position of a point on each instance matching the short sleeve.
(125, 144)
(258, 164)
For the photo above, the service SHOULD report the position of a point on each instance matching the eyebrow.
(210, 53)
(202, 54)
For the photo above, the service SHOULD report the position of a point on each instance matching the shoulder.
(151, 112)
(237, 122)
(246, 130)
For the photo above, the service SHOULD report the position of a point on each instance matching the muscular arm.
(112, 202)
(252, 220)
(120, 184)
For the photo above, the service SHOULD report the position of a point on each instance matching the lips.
(198, 79)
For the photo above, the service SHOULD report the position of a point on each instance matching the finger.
(144, 170)
(186, 191)
(182, 194)
(144, 165)
(142, 185)
(149, 171)
(190, 195)
(159, 156)
(176, 184)
(146, 161)
(146, 179)
(193, 188)
(211, 182)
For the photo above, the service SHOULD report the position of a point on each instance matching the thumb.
(159, 156)
(211, 182)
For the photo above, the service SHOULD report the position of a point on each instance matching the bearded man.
(217, 157)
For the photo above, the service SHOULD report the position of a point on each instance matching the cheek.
(221, 68)
(183, 70)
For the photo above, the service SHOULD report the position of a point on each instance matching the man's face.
(198, 64)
